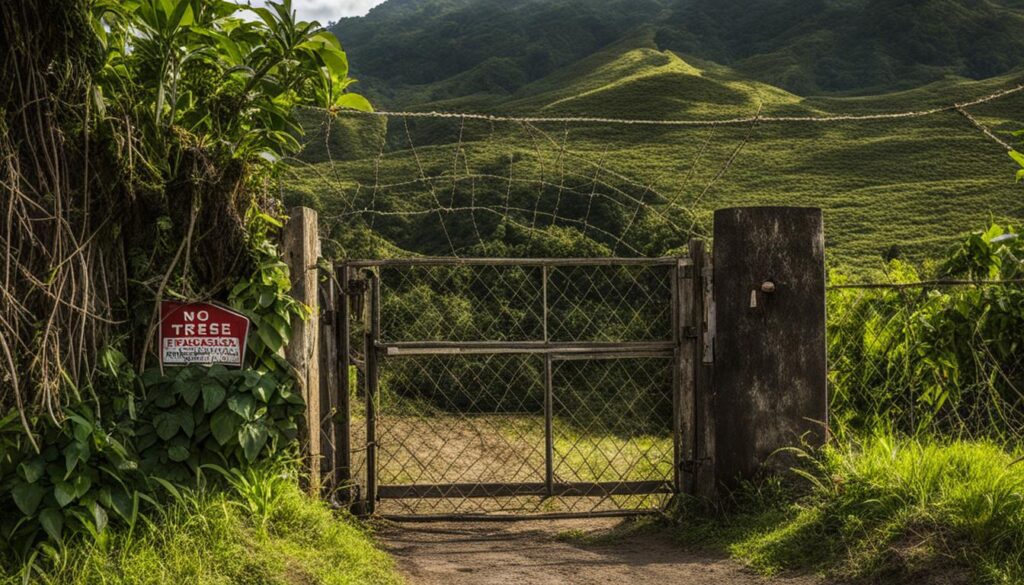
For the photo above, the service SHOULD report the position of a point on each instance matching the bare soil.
(550, 552)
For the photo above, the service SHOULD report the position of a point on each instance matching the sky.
(329, 10)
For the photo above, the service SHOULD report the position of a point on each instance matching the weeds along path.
(545, 552)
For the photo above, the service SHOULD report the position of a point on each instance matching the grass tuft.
(884, 510)
(271, 533)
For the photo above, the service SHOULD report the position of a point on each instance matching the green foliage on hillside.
(459, 48)
(811, 46)
(892, 188)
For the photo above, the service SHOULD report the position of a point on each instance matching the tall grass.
(261, 530)
(886, 510)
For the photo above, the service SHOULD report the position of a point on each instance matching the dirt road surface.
(555, 552)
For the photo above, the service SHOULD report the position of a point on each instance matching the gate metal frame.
(689, 348)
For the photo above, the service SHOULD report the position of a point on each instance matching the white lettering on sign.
(201, 333)
(201, 329)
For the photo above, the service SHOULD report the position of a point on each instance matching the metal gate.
(517, 386)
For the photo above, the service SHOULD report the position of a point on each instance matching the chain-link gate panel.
(515, 386)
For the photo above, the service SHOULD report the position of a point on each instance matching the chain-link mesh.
(610, 304)
(928, 359)
(533, 421)
(461, 303)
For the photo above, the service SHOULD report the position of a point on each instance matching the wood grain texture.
(301, 252)
(769, 359)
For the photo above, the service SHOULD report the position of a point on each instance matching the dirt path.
(577, 552)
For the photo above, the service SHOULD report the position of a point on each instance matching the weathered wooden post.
(301, 252)
(696, 475)
(769, 365)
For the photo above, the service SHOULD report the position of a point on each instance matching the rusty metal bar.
(343, 423)
(549, 438)
(506, 517)
(703, 456)
(544, 300)
(676, 381)
(504, 490)
(394, 349)
(686, 370)
(451, 261)
(372, 383)
(611, 355)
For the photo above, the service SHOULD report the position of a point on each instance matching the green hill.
(412, 51)
(890, 188)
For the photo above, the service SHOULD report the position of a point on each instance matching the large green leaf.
(52, 521)
(271, 338)
(32, 469)
(213, 395)
(64, 492)
(177, 453)
(117, 499)
(99, 516)
(354, 101)
(185, 420)
(73, 453)
(166, 425)
(242, 404)
(265, 389)
(252, 437)
(224, 424)
(27, 497)
(190, 393)
(335, 60)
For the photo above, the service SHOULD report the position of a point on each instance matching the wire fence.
(520, 386)
(940, 358)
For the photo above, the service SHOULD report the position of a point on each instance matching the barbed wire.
(490, 170)
(826, 118)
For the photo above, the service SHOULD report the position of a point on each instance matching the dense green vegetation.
(933, 360)
(881, 510)
(261, 531)
(457, 47)
(139, 142)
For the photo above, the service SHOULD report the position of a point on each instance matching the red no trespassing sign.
(201, 333)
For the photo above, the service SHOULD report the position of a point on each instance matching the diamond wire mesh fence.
(936, 359)
(521, 388)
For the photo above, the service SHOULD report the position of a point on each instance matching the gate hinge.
(690, 332)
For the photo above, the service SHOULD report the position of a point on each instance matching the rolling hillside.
(436, 49)
(904, 188)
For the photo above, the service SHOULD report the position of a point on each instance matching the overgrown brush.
(263, 530)
(886, 510)
(944, 357)
(139, 141)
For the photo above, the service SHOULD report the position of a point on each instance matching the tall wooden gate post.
(769, 365)
(301, 252)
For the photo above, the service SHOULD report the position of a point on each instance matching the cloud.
(330, 10)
